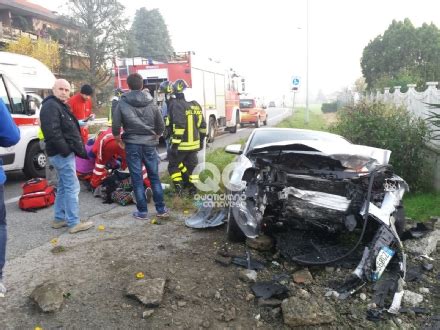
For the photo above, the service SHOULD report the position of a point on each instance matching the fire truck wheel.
(35, 161)
(237, 122)
(211, 130)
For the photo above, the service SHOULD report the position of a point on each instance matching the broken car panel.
(319, 182)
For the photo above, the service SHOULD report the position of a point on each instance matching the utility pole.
(306, 118)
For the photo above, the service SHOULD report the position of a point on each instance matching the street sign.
(296, 82)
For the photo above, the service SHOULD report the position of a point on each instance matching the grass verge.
(422, 206)
(317, 121)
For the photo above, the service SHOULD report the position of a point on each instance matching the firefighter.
(166, 88)
(188, 132)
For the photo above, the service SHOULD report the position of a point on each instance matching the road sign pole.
(293, 102)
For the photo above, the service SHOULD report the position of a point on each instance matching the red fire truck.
(214, 86)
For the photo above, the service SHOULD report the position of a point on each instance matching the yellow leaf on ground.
(101, 227)
(140, 275)
(54, 241)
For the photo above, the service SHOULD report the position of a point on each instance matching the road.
(29, 230)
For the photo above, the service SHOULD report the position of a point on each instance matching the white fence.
(416, 102)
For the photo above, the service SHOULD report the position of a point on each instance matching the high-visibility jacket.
(187, 124)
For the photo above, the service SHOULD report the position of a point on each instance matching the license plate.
(382, 260)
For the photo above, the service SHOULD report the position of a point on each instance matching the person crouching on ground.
(63, 141)
(143, 125)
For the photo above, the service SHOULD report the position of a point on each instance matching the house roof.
(26, 8)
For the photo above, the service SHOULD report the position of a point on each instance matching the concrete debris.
(49, 296)
(363, 296)
(148, 291)
(412, 298)
(269, 302)
(297, 312)
(425, 245)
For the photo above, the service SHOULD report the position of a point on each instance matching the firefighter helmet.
(166, 87)
(179, 86)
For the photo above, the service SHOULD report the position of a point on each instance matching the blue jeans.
(3, 235)
(138, 154)
(66, 201)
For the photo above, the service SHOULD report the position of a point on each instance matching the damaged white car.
(311, 190)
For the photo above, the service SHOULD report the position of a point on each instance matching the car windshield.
(261, 137)
(247, 103)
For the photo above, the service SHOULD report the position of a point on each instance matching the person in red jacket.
(108, 152)
(81, 107)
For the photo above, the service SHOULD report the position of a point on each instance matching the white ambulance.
(24, 81)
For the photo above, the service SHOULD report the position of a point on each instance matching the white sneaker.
(2, 289)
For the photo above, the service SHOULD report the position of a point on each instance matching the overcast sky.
(265, 41)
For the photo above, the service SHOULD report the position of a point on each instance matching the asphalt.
(29, 230)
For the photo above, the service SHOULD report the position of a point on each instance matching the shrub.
(394, 128)
(329, 107)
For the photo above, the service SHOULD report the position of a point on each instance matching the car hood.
(351, 156)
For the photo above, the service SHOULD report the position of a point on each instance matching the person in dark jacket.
(63, 141)
(9, 136)
(142, 122)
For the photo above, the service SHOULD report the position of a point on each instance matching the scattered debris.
(269, 289)
(260, 243)
(424, 290)
(224, 261)
(147, 291)
(58, 249)
(49, 296)
(246, 263)
(206, 217)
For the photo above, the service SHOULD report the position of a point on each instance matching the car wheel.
(35, 161)
(233, 231)
(211, 129)
(237, 120)
(265, 120)
(258, 123)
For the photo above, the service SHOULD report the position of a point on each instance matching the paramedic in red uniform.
(81, 106)
(107, 151)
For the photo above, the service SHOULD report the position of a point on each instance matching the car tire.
(265, 120)
(211, 129)
(35, 161)
(237, 120)
(258, 123)
(233, 231)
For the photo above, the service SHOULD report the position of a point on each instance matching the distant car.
(272, 104)
(252, 113)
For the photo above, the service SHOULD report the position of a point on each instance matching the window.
(17, 106)
(4, 94)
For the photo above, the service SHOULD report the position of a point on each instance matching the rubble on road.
(49, 296)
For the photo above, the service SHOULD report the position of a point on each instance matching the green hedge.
(389, 127)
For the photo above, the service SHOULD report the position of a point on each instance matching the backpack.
(37, 194)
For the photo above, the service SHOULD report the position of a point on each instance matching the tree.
(45, 51)
(100, 25)
(403, 54)
(151, 36)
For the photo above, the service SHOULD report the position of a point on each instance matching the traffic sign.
(296, 81)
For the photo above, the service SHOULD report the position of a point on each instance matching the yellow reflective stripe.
(184, 170)
(190, 119)
(177, 180)
(176, 141)
(194, 178)
(189, 148)
(176, 176)
(40, 134)
(167, 121)
(181, 165)
(179, 131)
(202, 130)
(192, 144)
